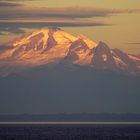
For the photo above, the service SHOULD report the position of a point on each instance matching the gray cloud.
(18, 0)
(1, 33)
(62, 17)
(69, 12)
(3, 47)
(78, 15)
(133, 43)
(9, 4)
(17, 28)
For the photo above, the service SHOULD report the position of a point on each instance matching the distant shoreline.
(69, 123)
(72, 118)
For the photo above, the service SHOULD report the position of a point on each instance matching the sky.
(116, 22)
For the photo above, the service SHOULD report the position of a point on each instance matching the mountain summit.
(53, 45)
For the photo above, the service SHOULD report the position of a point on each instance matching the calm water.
(69, 131)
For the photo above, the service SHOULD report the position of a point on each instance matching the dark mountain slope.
(69, 88)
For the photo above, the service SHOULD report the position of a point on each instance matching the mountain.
(50, 71)
(53, 45)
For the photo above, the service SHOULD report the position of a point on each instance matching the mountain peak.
(88, 41)
(53, 28)
(103, 57)
(49, 29)
(79, 43)
(102, 48)
(102, 44)
(79, 53)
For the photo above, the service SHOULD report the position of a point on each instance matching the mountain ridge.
(52, 45)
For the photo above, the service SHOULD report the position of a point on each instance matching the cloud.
(12, 3)
(14, 19)
(9, 4)
(17, 27)
(134, 43)
(1, 34)
(18, 0)
(68, 12)
(3, 47)
(14, 30)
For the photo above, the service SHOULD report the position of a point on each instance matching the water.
(69, 131)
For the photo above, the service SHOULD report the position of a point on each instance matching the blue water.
(69, 131)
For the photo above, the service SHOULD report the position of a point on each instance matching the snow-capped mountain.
(53, 45)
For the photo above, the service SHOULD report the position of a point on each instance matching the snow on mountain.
(131, 65)
(114, 59)
(103, 57)
(53, 45)
(79, 53)
(88, 41)
(42, 46)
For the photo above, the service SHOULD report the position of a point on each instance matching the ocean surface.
(69, 131)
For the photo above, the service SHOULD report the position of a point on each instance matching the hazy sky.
(117, 22)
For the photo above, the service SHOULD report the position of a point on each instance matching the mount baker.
(50, 71)
(53, 45)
